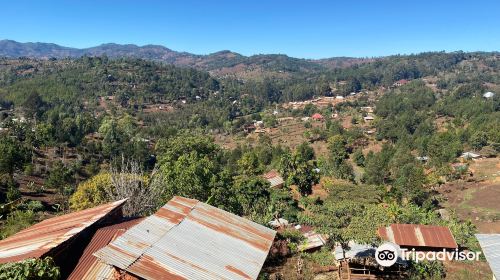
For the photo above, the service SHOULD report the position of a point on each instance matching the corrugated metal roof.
(418, 235)
(274, 178)
(91, 268)
(187, 239)
(490, 243)
(39, 239)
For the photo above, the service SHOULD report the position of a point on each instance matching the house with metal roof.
(420, 237)
(61, 238)
(490, 243)
(188, 239)
(89, 267)
(470, 155)
(274, 178)
(488, 94)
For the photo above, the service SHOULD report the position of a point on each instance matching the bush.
(13, 193)
(16, 221)
(30, 269)
(427, 270)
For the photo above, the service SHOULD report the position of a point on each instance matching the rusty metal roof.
(418, 235)
(91, 268)
(188, 239)
(37, 240)
(274, 178)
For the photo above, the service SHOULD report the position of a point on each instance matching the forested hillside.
(359, 145)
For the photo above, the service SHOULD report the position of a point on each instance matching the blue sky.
(308, 29)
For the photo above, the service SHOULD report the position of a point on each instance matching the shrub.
(16, 221)
(30, 269)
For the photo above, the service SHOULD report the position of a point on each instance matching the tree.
(306, 151)
(298, 171)
(359, 158)
(339, 167)
(333, 219)
(13, 155)
(91, 192)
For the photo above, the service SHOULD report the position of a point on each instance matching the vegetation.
(90, 130)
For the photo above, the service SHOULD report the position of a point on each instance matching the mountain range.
(220, 63)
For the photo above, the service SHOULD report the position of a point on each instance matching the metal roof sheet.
(490, 243)
(274, 178)
(91, 268)
(37, 240)
(418, 235)
(188, 239)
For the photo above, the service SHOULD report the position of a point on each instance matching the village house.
(490, 243)
(317, 117)
(368, 118)
(188, 239)
(401, 82)
(61, 238)
(489, 94)
(470, 155)
(419, 237)
(185, 239)
(274, 178)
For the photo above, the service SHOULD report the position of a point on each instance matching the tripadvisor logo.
(388, 253)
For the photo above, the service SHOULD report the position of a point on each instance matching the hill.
(222, 63)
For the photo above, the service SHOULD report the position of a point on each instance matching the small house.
(490, 243)
(470, 155)
(368, 118)
(274, 178)
(419, 237)
(401, 82)
(317, 117)
(489, 94)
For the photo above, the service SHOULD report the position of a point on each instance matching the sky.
(304, 29)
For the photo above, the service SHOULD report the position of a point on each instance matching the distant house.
(490, 243)
(400, 83)
(422, 158)
(489, 94)
(313, 240)
(317, 117)
(249, 128)
(368, 118)
(419, 237)
(470, 155)
(279, 223)
(340, 97)
(259, 124)
(367, 109)
(274, 178)
(354, 251)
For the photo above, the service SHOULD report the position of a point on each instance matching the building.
(470, 155)
(313, 240)
(490, 243)
(489, 94)
(274, 178)
(89, 267)
(419, 237)
(368, 118)
(63, 238)
(400, 83)
(317, 117)
(188, 239)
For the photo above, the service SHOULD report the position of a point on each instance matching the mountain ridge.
(224, 62)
